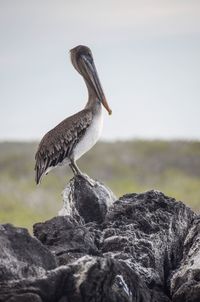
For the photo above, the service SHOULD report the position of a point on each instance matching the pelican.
(77, 134)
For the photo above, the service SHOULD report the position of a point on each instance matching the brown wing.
(58, 143)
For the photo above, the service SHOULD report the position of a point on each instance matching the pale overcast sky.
(147, 53)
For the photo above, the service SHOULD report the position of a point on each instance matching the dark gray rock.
(86, 200)
(107, 280)
(141, 248)
(147, 231)
(23, 262)
(22, 256)
(185, 281)
(66, 238)
(53, 286)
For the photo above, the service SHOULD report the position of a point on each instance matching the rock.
(86, 199)
(142, 247)
(185, 281)
(147, 231)
(24, 267)
(66, 238)
(22, 256)
(107, 280)
(53, 286)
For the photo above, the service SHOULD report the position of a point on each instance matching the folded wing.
(58, 143)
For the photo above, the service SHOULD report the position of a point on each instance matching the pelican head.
(82, 60)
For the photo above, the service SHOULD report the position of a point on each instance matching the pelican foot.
(88, 179)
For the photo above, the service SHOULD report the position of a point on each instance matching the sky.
(147, 54)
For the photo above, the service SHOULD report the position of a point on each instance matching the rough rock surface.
(66, 238)
(141, 248)
(80, 192)
(22, 256)
(185, 281)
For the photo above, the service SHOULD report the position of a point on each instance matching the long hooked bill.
(94, 80)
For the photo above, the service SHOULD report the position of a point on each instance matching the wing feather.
(58, 143)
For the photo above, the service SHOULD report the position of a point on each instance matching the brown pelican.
(75, 135)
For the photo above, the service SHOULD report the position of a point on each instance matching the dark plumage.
(58, 143)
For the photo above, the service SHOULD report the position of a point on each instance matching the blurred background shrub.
(172, 167)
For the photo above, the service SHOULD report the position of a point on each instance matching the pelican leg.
(73, 170)
(77, 171)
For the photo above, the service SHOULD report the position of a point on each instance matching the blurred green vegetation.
(172, 167)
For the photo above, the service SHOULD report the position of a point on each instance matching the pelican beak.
(93, 79)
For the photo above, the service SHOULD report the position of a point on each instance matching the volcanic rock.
(22, 256)
(86, 199)
(141, 248)
(185, 280)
